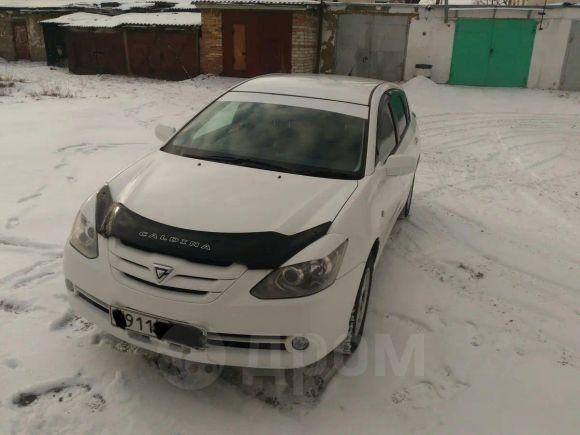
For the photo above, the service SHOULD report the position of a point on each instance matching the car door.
(407, 139)
(389, 188)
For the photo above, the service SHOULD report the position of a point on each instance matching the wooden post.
(127, 59)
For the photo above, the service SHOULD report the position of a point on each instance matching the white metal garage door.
(371, 46)
(571, 72)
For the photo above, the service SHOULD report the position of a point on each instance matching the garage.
(167, 55)
(571, 71)
(488, 52)
(371, 46)
(96, 52)
(256, 43)
(157, 45)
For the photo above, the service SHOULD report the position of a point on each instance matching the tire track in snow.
(19, 242)
(37, 271)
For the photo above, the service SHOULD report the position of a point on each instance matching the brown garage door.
(256, 43)
(20, 40)
(164, 55)
(95, 53)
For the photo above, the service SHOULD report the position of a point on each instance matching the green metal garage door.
(492, 52)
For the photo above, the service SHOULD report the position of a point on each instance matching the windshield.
(277, 137)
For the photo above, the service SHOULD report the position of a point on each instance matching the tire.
(407, 208)
(358, 316)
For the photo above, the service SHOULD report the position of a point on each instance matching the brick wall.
(36, 36)
(6, 38)
(304, 41)
(34, 31)
(211, 42)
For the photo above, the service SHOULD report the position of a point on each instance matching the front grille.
(241, 341)
(91, 300)
(136, 268)
(163, 287)
(199, 260)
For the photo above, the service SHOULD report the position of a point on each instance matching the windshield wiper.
(327, 173)
(260, 164)
(244, 161)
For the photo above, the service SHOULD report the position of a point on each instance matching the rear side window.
(400, 111)
(386, 139)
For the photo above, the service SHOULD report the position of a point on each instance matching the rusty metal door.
(571, 70)
(239, 41)
(354, 33)
(371, 46)
(388, 47)
(21, 48)
(96, 52)
(164, 54)
(256, 43)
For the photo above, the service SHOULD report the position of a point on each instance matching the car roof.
(356, 90)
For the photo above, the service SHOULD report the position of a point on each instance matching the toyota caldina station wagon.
(250, 237)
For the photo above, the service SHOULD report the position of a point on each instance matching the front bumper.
(242, 330)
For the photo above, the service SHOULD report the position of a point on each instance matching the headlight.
(301, 279)
(83, 237)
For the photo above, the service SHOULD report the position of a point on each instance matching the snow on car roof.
(84, 19)
(355, 90)
(121, 4)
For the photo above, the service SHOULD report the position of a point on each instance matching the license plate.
(163, 329)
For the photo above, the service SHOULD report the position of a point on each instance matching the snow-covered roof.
(121, 4)
(35, 4)
(258, 2)
(71, 18)
(83, 19)
(185, 6)
(162, 19)
(125, 6)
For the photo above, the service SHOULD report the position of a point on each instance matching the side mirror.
(400, 165)
(164, 132)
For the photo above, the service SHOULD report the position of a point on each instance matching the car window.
(298, 139)
(222, 118)
(386, 140)
(400, 113)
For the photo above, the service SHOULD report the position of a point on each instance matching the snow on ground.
(485, 272)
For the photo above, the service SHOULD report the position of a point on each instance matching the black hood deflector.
(258, 250)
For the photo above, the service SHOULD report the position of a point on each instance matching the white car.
(250, 237)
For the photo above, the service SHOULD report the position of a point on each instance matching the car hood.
(215, 197)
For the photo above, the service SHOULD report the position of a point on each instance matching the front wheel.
(359, 312)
